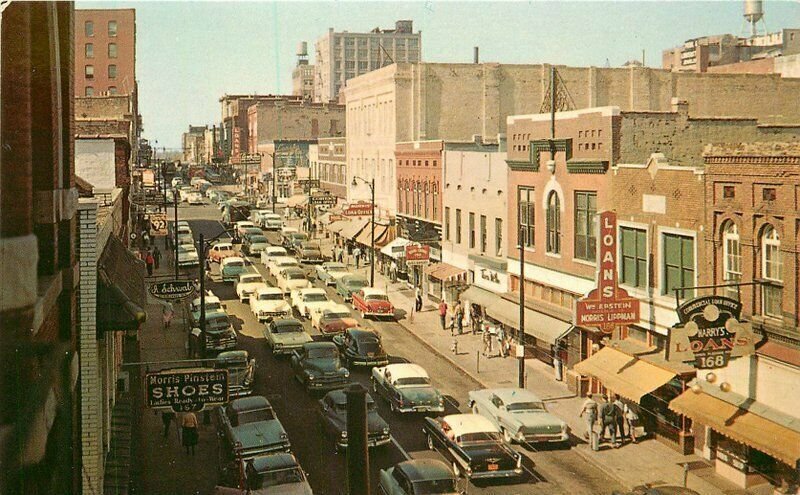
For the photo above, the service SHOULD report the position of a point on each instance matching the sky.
(190, 53)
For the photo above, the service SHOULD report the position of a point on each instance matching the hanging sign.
(172, 289)
(417, 254)
(186, 390)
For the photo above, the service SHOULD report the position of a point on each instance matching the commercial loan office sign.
(608, 305)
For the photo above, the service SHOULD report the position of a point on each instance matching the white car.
(333, 310)
(268, 303)
(280, 263)
(177, 182)
(270, 253)
(187, 256)
(292, 278)
(407, 387)
(256, 215)
(185, 240)
(185, 192)
(309, 301)
(184, 229)
(330, 272)
(247, 285)
(196, 198)
(271, 221)
(242, 225)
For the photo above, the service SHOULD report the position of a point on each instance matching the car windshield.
(377, 297)
(336, 268)
(357, 283)
(295, 275)
(234, 263)
(186, 248)
(299, 237)
(286, 263)
(276, 478)
(247, 417)
(288, 328)
(370, 347)
(526, 407)
(413, 381)
(250, 279)
(315, 298)
(210, 306)
(277, 296)
(258, 239)
(337, 315)
(324, 353)
(223, 247)
(218, 324)
(479, 437)
(432, 487)
(231, 365)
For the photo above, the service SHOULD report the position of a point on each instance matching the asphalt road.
(550, 470)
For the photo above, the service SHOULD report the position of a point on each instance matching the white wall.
(94, 162)
(774, 384)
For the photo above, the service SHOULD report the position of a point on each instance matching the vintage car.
(284, 335)
(361, 347)
(248, 427)
(220, 251)
(292, 278)
(418, 477)
(247, 232)
(308, 301)
(275, 474)
(271, 221)
(279, 263)
(372, 302)
(270, 253)
(212, 304)
(231, 267)
(241, 225)
(317, 366)
(308, 252)
(348, 284)
(330, 271)
(333, 414)
(247, 285)
(333, 319)
(196, 198)
(252, 245)
(473, 445)
(184, 229)
(268, 303)
(187, 256)
(184, 192)
(220, 335)
(519, 414)
(257, 214)
(291, 240)
(407, 388)
(185, 240)
(241, 371)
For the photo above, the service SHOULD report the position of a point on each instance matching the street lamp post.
(521, 330)
(175, 202)
(371, 184)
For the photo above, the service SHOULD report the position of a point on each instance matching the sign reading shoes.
(172, 289)
(186, 389)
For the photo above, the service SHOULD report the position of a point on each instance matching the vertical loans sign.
(608, 305)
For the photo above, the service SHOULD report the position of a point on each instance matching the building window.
(435, 205)
(112, 28)
(633, 269)
(112, 90)
(458, 226)
(732, 258)
(88, 71)
(728, 192)
(526, 216)
(678, 264)
(418, 199)
(483, 234)
(446, 223)
(471, 230)
(112, 71)
(112, 50)
(553, 223)
(768, 194)
(498, 236)
(89, 50)
(408, 207)
(88, 28)
(89, 91)
(426, 191)
(771, 270)
(586, 226)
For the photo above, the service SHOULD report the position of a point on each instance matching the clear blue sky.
(190, 53)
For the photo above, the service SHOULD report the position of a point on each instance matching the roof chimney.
(475, 55)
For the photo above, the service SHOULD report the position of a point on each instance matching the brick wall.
(419, 180)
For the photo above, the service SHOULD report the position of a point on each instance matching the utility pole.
(175, 202)
(202, 296)
(521, 330)
(372, 236)
(357, 450)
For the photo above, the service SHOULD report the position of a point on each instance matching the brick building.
(110, 114)
(193, 143)
(233, 126)
(105, 52)
(328, 163)
(40, 413)
(284, 117)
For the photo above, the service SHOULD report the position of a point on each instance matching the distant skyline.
(191, 53)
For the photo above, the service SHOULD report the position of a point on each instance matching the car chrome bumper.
(316, 385)
(543, 438)
(413, 409)
(509, 473)
(369, 362)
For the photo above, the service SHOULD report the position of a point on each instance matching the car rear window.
(288, 328)
(258, 239)
(370, 346)
(377, 297)
(235, 263)
(296, 276)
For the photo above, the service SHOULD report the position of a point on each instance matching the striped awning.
(626, 375)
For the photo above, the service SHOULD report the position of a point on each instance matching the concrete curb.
(601, 466)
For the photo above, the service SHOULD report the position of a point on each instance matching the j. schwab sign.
(172, 289)
(186, 389)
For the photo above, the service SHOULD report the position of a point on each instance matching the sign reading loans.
(186, 389)
(710, 333)
(172, 289)
(608, 305)
(358, 210)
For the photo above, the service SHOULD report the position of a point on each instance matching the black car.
(241, 371)
(361, 347)
(317, 367)
(333, 413)
(275, 473)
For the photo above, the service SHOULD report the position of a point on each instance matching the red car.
(220, 251)
(335, 320)
(372, 302)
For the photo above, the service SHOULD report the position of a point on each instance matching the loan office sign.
(609, 305)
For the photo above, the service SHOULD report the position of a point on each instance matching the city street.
(549, 470)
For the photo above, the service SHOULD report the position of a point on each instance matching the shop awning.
(542, 326)
(338, 226)
(364, 238)
(481, 297)
(742, 425)
(354, 228)
(296, 200)
(121, 293)
(443, 271)
(388, 236)
(396, 248)
(623, 374)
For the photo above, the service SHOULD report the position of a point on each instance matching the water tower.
(302, 53)
(753, 13)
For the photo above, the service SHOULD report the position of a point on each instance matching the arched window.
(731, 257)
(417, 198)
(405, 192)
(553, 223)
(427, 189)
(771, 270)
(435, 202)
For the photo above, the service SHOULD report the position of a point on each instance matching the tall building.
(343, 56)
(303, 74)
(105, 52)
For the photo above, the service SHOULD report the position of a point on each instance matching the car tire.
(429, 441)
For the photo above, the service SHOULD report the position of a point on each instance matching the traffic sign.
(188, 389)
(326, 199)
(172, 289)
(158, 224)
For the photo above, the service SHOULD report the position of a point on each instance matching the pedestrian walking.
(475, 317)
(487, 342)
(189, 428)
(608, 416)
(168, 312)
(393, 272)
(357, 256)
(167, 417)
(443, 313)
(341, 255)
(418, 300)
(620, 418)
(589, 414)
(458, 314)
(149, 262)
(501, 341)
(631, 420)
(157, 257)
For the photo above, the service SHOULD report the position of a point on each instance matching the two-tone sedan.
(292, 278)
(269, 254)
(348, 284)
(333, 414)
(407, 388)
(280, 263)
(268, 303)
(187, 256)
(373, 302)
(317, 367)
(361, 347)
(220, 251)
(474, 446)
(333, 319)
(231, 267)
(418, 477)
(247, 285)
(309, 301)
(285, 335)
(330, 271)
(520, 415)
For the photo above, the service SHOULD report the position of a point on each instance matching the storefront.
(445, 282)
(396, 251)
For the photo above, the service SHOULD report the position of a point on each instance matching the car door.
(438, 438)
(495, 409)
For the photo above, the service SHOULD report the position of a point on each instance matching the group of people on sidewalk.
(493, 337)
(187, 433)
(612, 415)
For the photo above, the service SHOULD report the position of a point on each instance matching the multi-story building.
(193, 143)
(341, 56)
(40, 413)
(234, 134)
(109, 114)
(303, 74)
(105, 52)
(289, 117)
(328, 163)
